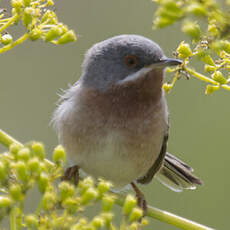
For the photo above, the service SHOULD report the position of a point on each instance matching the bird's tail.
(177, 175)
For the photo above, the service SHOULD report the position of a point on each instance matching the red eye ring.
(131, 61)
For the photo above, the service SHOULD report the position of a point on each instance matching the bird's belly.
(119, 158)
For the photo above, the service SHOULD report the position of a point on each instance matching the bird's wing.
(157, 164)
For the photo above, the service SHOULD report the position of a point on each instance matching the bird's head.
(121, 60)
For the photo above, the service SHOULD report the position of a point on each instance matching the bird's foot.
(141, 202)
(72, 172)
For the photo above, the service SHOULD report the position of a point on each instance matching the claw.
(140, 199)
(72, 172)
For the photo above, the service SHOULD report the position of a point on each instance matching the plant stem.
(13, 218)
(7, 140)
(170, 218)
(15, 43)
(11, 21)
(200, 76)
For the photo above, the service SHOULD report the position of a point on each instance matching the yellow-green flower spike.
(67, 37)
(43, 182)
(6, 39)
(39, 150)
(23, 154)
(53, 33)
(5, 202)
(218, 76)
(59, 155)
(66, 190)
(129, 204)
(107, 203)
(89, 195)
(211, 89)
(184, 50)
(15, 192)
(192, 29)
(31, 222)
(136, 214)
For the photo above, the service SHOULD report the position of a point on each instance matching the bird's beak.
(165, 61)
(162, 63)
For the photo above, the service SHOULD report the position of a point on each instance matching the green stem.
(11, 21)
(7, 140)
(13, 218)
(200, 76)
(170, 218)
(15, 43)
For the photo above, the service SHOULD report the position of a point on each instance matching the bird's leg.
(140, 199)
(72, 172)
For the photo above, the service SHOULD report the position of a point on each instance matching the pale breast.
(118, 145)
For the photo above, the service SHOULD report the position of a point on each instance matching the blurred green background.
(32, 73)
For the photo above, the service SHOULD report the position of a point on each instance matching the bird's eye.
(131, 61)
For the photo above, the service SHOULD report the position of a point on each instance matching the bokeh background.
(32, 73)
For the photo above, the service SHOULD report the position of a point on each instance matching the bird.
(114, 121)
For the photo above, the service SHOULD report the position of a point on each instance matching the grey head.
(120, 59)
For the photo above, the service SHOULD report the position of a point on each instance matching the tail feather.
(177, 175)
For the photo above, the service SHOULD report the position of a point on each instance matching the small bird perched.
(113, 122)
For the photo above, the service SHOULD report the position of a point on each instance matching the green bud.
(53, 33)
(97, 222)
(89, 195)
(211, 89)
(3, 172)
(17, 5)
(23, 154)
(50, 3)
(184, 50)
(107, 203)
(85, 184)
(107, 217)
(35, 34)
(217, 76)
(34, 166)
(103, 187)
(192, 29)
(5, 202)
(32, 221)
(66, 190)
(136, 214)
(134, 226)
(28, 15)
(196, 9)
(39, 150)
(59, 155)
(71, 205)
(161, 22)
(49, 200)
(26, 3)
(226, 46)
(209, 68)
(22, 171)
(167, 87)
(43, 182)
(14, 148)
(208, 60)
(49, 16)
(212, 29)
(67, 37)
(6, 39)
(15, 191)
(129, 204)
